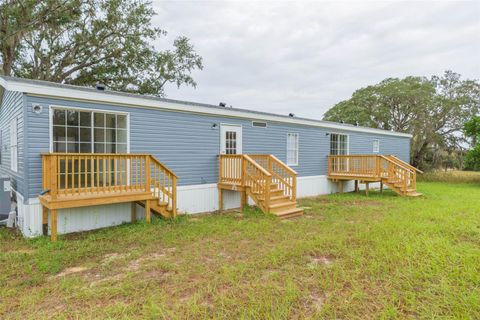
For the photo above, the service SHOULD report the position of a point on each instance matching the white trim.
(73, 93)
(197, 186)
(376, 146)
(14, 144)
(297, 149)
(338, 133)
(91, 110)
(239, 139)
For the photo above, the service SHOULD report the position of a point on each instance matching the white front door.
(230, 139)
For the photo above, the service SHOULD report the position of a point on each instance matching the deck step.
(282, 206)
(278, 199)
(414, 194)
(289, 213)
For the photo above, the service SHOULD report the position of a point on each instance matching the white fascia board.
(129, 101)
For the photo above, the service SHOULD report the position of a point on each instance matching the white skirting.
(191, 199)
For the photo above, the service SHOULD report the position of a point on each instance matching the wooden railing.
(282, 175)
(230, 169)
(373, 166)
(353, 164)
(403, 163)
(256, 171)
(90, 174)
(258, 180)
(164, 183)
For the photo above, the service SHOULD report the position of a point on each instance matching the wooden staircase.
(265, 179)
(163, 185)
(401, 176)
(398, 175)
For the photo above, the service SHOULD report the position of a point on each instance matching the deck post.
(381, 186)
(148, 213)
(133, 212)
(356, 186)
(54, 223)
(367, 187)
(220, 199)
(147, 174)
(44, 220)
(53, 178)
(243, 199)
(174, 196)
(340, 186)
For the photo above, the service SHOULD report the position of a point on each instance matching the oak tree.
(84, 42)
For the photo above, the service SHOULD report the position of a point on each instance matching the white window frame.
(14, 145)
(91, 110)
(338, 141)
(297, 135)
(239, 137)
(376, 145)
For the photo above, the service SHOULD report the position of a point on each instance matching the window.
(14, 145)
(338, 144)
(259, 124)
(292, 149)
(376, 146)
(231, 142)
(77, 131)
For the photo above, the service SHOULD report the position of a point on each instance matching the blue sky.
(303, 56)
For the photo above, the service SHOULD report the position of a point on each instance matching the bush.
(472, 159)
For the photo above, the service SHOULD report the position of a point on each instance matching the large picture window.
(78, 131)
(338, 144)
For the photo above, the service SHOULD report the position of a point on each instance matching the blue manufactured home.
(79, 157)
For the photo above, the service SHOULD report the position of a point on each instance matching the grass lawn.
(349, 257)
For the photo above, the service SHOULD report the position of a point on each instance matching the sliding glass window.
(89, 132)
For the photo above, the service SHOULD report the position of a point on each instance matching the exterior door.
(230, 139)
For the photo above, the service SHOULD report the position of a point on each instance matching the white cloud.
(304, 57)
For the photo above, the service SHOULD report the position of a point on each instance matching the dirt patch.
(98, 279)
(317, 300)
(132, 266)
(111, 257)
(22, 251)
(363, 203)
(325, 260)
(135, 265)
(70, 271)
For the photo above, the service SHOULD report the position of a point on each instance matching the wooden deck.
(270, 183)
(386, 169)
(81, 180)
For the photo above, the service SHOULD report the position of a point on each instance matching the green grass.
(454, 176)
(349, 257)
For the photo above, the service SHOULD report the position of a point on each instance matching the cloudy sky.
(303, 57)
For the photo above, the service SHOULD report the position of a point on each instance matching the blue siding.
(12, 107)
(189, 145)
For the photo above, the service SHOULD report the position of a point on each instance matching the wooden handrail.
(258, 180)
(397, 164)
(254, 163)
(405, 163)
(255, 171)
(283, 165)
(284, 176)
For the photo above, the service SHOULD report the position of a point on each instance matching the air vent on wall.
(259, 124)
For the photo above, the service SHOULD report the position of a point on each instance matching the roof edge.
(55, 90)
